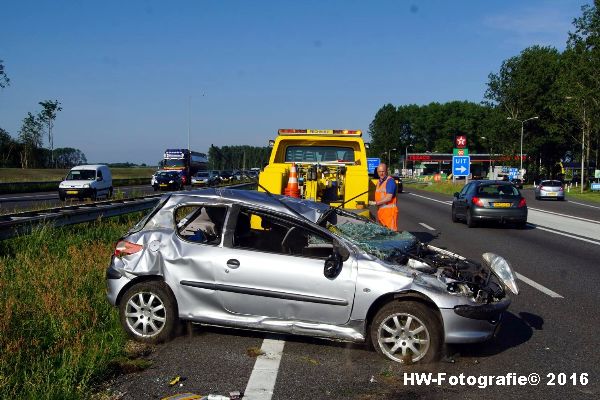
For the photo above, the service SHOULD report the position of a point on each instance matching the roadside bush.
(58, 334)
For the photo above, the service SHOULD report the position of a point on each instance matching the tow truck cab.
(331, 166)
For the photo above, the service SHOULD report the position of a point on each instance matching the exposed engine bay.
(462, 276)
(483, 282)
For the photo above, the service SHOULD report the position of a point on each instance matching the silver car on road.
(252, 260)
(549, 189)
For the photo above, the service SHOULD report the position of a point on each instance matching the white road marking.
(539, 287)
(582, 204)
(262, 380)
(564, 215)
(564, 234)
(429, 198)
(426, 226)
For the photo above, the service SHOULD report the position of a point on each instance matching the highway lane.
(540, 334)
(10, 203)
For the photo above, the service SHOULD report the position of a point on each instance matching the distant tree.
(30, 137)
(8, 147)
(4, 81)
(527, 85)
(67, 157)
(47, 117)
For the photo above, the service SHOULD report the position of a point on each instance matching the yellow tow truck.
(331, 167)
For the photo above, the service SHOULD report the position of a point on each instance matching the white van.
(91, 181)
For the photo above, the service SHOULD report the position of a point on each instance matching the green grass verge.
(42, 175)
(58, 334)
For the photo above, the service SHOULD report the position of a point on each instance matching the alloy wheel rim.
(145, 314)
(401, 335)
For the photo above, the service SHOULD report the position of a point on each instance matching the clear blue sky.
(125, 71)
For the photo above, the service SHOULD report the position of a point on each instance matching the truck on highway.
(184, 160)
(331, 167)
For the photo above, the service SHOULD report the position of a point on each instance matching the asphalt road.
(551, 329)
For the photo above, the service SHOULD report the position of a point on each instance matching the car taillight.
(125, 248)
(477, 201)
(522, 202)
(542, 188)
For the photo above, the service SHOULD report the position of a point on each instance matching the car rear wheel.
(470, 220)
(407, 332)
(454, 217)
(147, 312)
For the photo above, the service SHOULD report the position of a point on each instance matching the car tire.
(454, 217)
(471, 223)
(110, 193)
(155, 187)
(94, 195)
(62, 197)
(148, 312)
(393, 335)
(521, 224)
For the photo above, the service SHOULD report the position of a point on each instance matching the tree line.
(27, 151)
(237, 157)
(561, 89)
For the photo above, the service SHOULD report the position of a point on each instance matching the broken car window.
(200, 223)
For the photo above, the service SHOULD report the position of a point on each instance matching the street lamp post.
(582, 141)
(406, 156)
(389, 153)
(522, 124)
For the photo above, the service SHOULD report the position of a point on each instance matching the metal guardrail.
(23, 223)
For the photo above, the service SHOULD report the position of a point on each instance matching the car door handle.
(233, 263)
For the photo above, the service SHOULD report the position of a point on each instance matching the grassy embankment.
(58, 334)
(450, 188)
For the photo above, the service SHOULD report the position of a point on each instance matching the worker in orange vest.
(385, 199)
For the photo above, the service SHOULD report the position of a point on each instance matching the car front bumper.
(473, 323)
(75, 192)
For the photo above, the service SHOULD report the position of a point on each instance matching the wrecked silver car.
(252, 260)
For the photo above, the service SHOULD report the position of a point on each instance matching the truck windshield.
(82, 175)
(318, 154)
(173, 163)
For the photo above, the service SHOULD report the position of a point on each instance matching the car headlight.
(86, 185)
(501, 268)
(171, 181)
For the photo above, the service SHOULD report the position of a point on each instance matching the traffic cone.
(292, 188)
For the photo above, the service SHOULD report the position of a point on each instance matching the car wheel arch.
(143, 279)
(409, 295)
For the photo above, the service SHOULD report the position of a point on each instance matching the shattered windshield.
(374, 239)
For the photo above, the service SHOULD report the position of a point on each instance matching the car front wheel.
(454, 217)
(407, 332)
(147, 312)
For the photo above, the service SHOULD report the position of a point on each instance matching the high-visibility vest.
(387, 214)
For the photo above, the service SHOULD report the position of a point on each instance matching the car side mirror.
(456, 194)
(333, 266)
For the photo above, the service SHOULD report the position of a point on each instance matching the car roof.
(91, 166)
(308, 209)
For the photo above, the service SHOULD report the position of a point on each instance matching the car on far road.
(399, 185)
(517, 182)
(168, 180)
(498, 201)
(550, 189)
(204, 178)
(253, 260)
(226, 176)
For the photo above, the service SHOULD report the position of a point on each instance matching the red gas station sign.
(461, 141)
